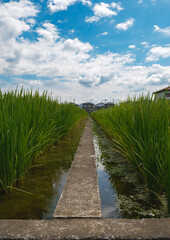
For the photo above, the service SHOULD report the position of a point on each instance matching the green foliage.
(29, 124)
(139, 129)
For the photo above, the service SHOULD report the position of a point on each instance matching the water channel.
(122, 194)
(121, 191)
(44, 183)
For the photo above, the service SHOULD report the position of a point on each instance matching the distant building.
(109, 104)
(99, 105)
(165, 92)
(89, 107)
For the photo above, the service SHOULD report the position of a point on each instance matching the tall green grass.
(29, 124)
(139, 129)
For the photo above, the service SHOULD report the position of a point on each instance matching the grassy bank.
(139, 129)
(29, 124)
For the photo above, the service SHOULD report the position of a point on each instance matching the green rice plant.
(139, 129)
(29, 124)
(168, 162)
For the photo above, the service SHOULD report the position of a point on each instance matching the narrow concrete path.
(80, 197)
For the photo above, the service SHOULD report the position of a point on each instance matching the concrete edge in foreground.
(85, 229)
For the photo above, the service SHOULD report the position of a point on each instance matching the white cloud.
(18, 10)
(126, 25)
(131, 46)
(144, 43)
(48, 32)
(158, 78)
(117, 6)
(76, 45)
(59, 5)
(71, 66)
(103, 9)
(29, 83)
(86, 2)
(156, 53)
(165, 31)
(104, 33)
(16, 17)
(31, 21)
(92, 19)
(141, 1)
(71, 31)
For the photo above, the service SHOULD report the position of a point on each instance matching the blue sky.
(85, 50)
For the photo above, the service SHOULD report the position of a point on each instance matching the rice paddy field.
(30, 124)
(140, 130)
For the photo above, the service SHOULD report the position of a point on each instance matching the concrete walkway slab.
(80, 197)
(97, 229)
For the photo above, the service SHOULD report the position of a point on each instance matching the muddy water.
(121, 191)
(44, 183)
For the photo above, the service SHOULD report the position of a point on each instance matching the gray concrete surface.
(80, 197)
(85, 229)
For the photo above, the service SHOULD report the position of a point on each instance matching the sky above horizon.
(85, 50)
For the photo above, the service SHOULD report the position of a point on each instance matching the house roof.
(88, 103)
(162, 90)
(110, 103)
(100, 103)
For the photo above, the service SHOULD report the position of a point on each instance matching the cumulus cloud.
(144, 43)
(71, 66)
(165, 31)
(16, 17)
(102, 34)
(76, 45)
(103, 9)
(48, 32)
(117, 6)
(92, 19)
(29, 83)
(125, 25)
(131, 46)
(59, 5)
(49, 55)
(86, 2)
(159, 78)
(158, 52)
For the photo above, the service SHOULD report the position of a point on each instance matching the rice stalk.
(29, 124)
(139, 129)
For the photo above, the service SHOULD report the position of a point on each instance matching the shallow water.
(121, 192)
(44, 184)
